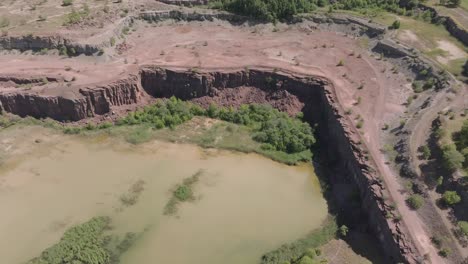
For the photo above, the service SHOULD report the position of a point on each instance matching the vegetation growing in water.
(80, 244)
(86, 243)
(182, 192)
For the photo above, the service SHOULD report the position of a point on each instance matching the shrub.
(463, 225)
(340, 63)
(396, 24)
(343, 230)
(417, 87)
(451, 158)
(415, 201)
(444, 252)
(451, 198)
(425, 151)
(67, 2)
(183, 193)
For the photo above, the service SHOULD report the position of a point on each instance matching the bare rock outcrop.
(88, 102)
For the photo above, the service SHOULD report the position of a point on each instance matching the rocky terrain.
(317, 65)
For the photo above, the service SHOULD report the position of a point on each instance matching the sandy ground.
(213, 45)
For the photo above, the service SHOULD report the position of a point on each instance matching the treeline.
(275, 130)
(270, 10)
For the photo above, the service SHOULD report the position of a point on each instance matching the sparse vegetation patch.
(182, 193)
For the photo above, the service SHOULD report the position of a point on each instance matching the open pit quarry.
(318, 65)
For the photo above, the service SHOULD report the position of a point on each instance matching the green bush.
(463, 225)
(415, 201)
(343, 230)
(444, 252)
(451, 198)
(425, 151)
(183, 193)
(67, 2)
(396, 24)
(451, 158)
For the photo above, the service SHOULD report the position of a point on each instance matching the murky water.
(245, 204)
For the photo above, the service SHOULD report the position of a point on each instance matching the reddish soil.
(213, 45)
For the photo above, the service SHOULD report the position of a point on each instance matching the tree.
(415, 201)
(451, 198)
(452, 159)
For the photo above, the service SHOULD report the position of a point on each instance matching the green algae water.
(244, 204)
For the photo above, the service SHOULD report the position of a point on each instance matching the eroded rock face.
(315, 96)
(89, 102)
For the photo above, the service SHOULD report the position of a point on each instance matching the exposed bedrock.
(88, 46)
(88, 101)
(37, 43)
(337, 135)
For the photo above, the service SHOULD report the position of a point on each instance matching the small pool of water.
(245, 204)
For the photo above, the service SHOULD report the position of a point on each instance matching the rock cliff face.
(89, 102)
(37, 43)
(342, 141)
(89, 46)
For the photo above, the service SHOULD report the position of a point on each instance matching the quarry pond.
(240, 205)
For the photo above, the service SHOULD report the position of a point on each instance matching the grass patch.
(139, 135)
(182, 192)
(131, 197)
(293, 252)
